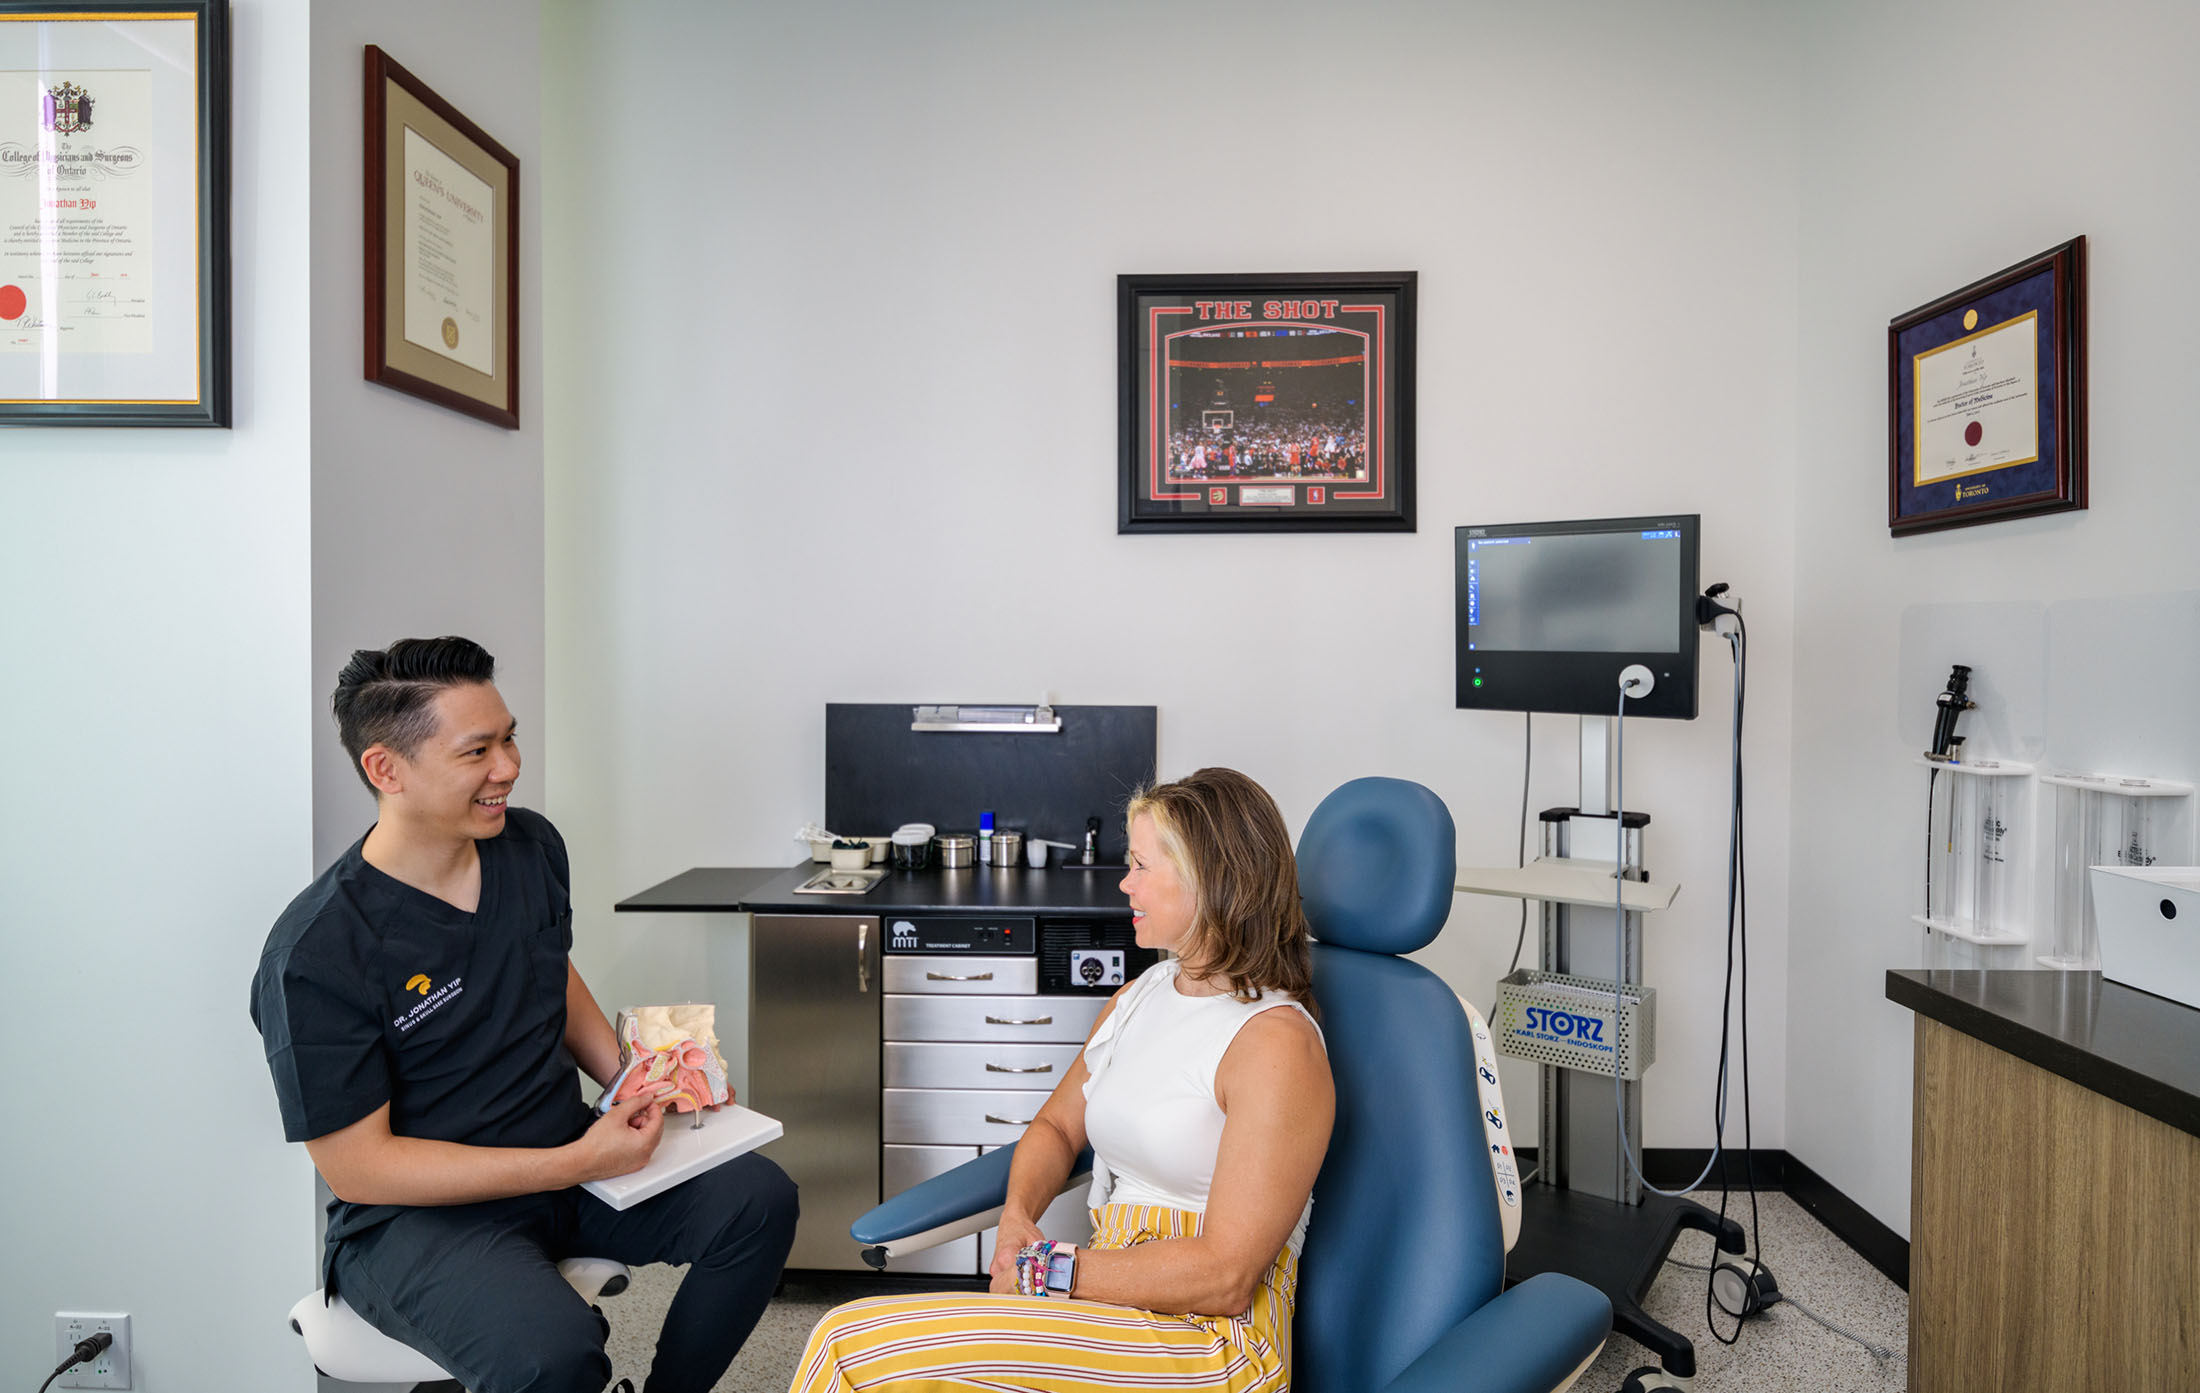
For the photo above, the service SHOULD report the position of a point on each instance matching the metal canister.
(1008, 848)
(952, 853)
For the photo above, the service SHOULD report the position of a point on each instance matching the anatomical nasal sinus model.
(676, 1044)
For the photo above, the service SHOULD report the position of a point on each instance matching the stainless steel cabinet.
(887, 1071)
(971, 1053)
(814, 1065)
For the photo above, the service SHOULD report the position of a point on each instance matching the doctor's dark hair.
(387, 696)
(1223, 834)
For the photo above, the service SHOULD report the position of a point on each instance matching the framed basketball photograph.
(1265, 403)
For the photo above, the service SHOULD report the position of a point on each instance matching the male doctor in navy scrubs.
(423, 1022)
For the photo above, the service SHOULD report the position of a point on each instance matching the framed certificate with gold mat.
(442, 250)
(1986, 398)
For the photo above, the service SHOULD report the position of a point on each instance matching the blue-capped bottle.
(985, 838)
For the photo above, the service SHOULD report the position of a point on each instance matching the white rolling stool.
(343, 1346)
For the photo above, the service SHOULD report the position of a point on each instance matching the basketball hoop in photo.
(1266, 383)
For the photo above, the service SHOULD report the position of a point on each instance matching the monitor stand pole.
(1586, 1214)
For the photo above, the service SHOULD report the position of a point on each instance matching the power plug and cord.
(1635, 683)
(86, 1351)
(1520, 838)
(1730, 1287)
(1741, 1298)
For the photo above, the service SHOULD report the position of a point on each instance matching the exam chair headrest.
(1376, 865)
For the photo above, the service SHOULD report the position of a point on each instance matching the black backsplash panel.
(880, 774)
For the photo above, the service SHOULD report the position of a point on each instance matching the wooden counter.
(2055, 1184)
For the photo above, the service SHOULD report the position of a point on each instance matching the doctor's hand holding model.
(1204, 1091)
(423, 1022)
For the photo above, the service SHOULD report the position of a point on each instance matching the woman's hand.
(1017, 1231)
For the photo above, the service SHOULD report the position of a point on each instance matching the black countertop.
(2143, 1051)
(984, 888)
(705, 889)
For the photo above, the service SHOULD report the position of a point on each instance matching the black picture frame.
(208, 403)
(1291, 409)
(1962, 479)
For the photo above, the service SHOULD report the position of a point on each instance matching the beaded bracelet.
(1032, 1262)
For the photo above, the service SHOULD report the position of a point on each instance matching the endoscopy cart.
(1586, 1213)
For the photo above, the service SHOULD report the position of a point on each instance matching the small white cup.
(1035, 853)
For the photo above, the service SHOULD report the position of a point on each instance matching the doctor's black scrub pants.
(475, 1287)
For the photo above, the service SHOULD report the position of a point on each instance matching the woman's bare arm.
(1280, 1103)
(1042, 1166)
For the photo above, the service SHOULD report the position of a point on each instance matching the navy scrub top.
(370, 992)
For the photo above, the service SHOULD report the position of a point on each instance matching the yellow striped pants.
(1034, 1344)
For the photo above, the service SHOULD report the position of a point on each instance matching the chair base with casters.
(1619, 1249)
(344, 1347)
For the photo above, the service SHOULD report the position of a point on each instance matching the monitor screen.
(1549, 613)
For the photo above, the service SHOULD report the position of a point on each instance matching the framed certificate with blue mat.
(1986, 398)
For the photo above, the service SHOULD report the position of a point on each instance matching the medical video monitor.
(1549, 613)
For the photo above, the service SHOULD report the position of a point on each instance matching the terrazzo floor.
(1781, 1351)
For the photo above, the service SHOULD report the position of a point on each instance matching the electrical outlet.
(112, 1368)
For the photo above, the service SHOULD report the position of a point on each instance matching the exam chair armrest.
(1532, 1339)
(964, 1201)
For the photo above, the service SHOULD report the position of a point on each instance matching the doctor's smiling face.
(454, 783)
(1162, 902)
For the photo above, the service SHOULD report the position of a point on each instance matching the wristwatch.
(1046, 1268)
(1061, 1269)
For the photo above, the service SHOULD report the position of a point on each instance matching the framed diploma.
(1265, 403)
(114, 214)
(1986, 398)
(442, 250)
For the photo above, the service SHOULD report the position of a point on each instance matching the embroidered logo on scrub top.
(418, 982)
(431, 1002)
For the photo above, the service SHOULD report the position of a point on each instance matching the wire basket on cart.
(1553, 1018)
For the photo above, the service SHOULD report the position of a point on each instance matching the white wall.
(177, 604)
(153, 735)
(1912, 188)
(426, 521)
(834, 419)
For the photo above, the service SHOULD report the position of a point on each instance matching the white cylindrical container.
(2107, 820)
(1976, 859)
(2075, 838)
(1991, 902)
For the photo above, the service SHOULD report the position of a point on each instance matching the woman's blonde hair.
(1223, 834)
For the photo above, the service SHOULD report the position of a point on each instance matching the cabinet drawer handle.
(1008, 1020)
(1014, 1069)
(952, 977)
(863, 960)
(1009, 1121)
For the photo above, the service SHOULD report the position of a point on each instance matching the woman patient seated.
(1205, 1094)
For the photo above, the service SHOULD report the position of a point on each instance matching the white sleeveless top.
(1150, 1110)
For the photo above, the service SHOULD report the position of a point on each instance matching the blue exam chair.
(1401, 1286)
